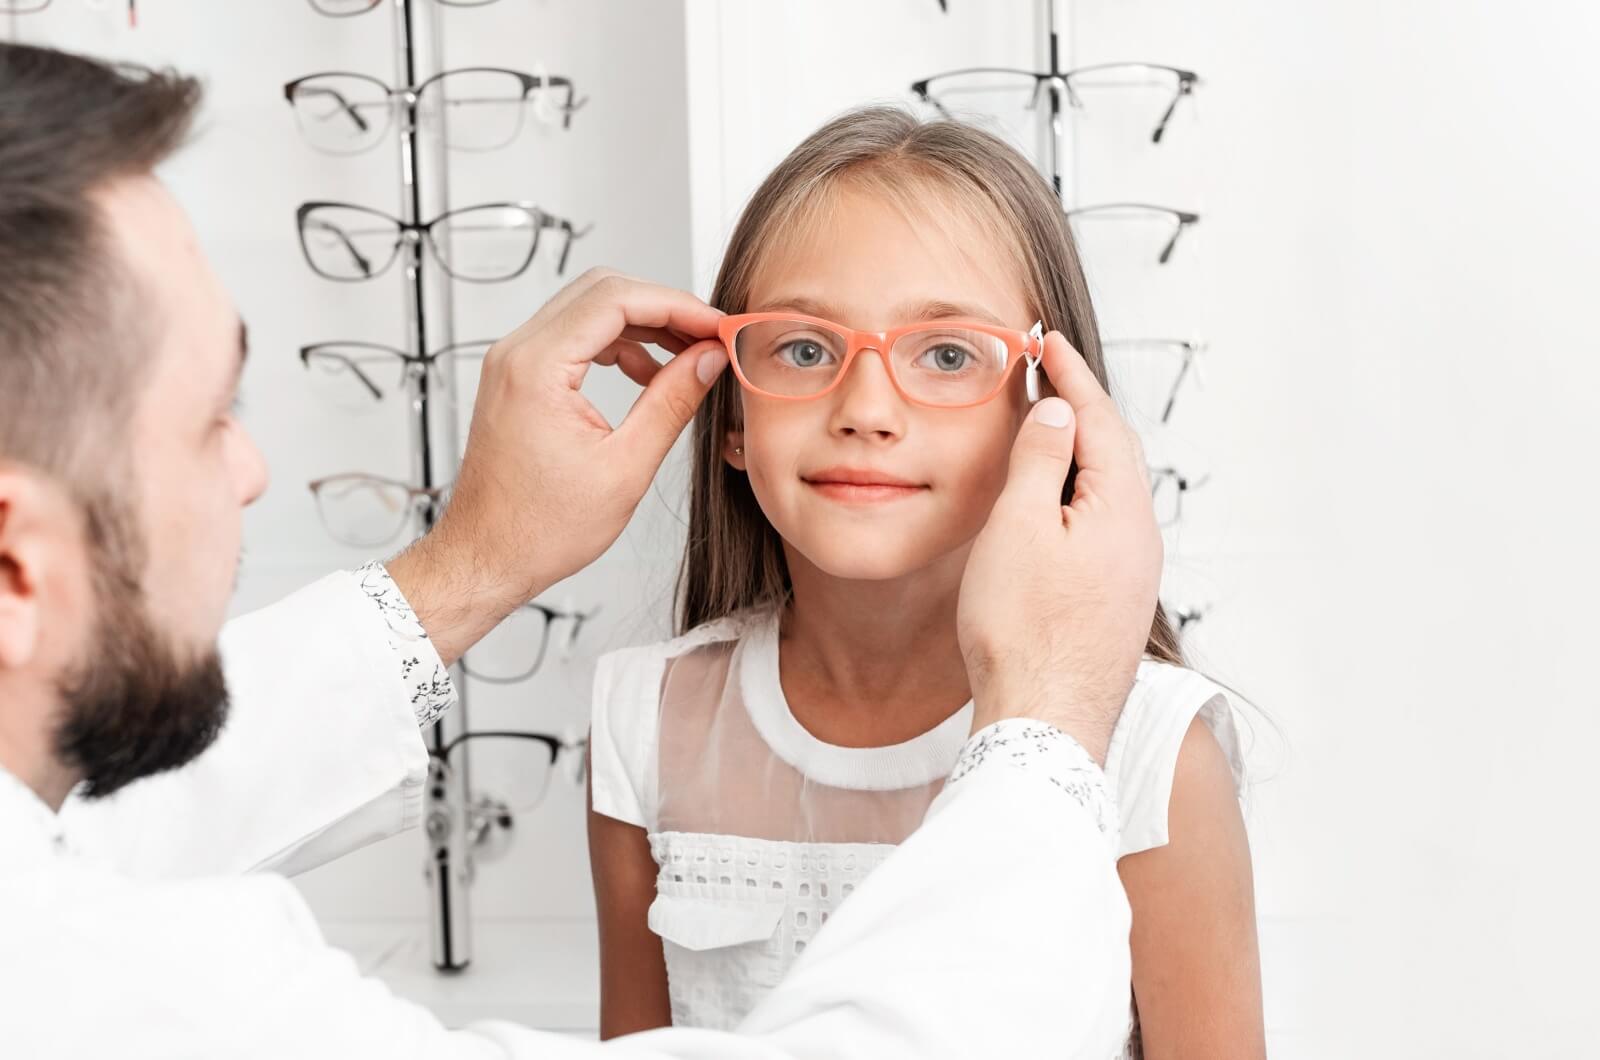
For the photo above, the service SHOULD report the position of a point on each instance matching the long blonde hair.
(733, 558)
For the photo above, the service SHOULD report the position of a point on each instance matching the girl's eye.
(803, 353)
(947, 358)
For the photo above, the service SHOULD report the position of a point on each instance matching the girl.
(885, 285)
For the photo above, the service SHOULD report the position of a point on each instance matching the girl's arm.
(1196, 967)
(633, 971)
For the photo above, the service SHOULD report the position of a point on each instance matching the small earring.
(738, 450)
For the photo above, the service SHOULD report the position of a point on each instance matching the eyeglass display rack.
(462, 826)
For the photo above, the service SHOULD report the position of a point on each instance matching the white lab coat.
(135, 927)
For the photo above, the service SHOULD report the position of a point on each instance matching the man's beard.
(133, 707)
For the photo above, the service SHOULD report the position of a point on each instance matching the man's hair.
(73, 331)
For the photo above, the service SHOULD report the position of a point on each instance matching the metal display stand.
(449, 860)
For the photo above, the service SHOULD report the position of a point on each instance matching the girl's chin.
(875, 562)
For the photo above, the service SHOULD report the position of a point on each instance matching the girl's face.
(862, 484)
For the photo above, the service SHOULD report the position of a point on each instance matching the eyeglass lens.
(935, 365)
(485, 244)
(363, 511)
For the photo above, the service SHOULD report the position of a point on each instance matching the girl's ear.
(733, 449)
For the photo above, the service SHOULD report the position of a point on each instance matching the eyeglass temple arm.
(305, 359)
(574, 102)
(921, 90)
(344, 104)
(1184, 221)
(361, 262)
(1186, 81)
(1177, 384)
(571, 234)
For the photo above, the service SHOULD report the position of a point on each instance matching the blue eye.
(947, 358)
(804, 353)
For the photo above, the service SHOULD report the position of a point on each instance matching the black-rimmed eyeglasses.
(489, 243)
(479, 108)
(515, 763)
(515, 649)
(950, 92)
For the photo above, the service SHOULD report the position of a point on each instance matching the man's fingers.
(636, 362)
(667, 339)
(615, 304)
(667, 405)
(1107, 450)
(1040, 459)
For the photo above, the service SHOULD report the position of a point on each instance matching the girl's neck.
(871, 663)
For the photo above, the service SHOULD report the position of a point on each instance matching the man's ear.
(26, 551)
(733, 449)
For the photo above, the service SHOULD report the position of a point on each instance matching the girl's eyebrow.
(911, 313)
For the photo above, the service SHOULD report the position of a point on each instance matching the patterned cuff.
(1021, 743)
(423, 673)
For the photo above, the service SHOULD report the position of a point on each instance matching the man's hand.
(547, 484)
(1057, 601)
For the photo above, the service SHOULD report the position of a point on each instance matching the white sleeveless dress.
(760, 830)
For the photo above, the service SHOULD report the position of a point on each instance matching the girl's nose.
(866, 402)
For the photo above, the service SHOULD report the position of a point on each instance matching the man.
(133, 801)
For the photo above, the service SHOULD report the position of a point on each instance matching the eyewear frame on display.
(306, 219)
(1184, 219)
(1185, 351)
(1186, 80)
(555, 745)
(369, 5)
(1180, 486)
(23, 7)
(1184, 617)
(300, 89)
(417, 499)
(551, 616)
(1023, 346)
(409, 361)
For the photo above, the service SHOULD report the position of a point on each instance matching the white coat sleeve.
(320, 753)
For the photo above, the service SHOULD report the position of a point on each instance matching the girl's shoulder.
(1142, 758)
(630, 685)
(726, 630)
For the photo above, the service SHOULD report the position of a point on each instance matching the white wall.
(1399, 244)
(1393, 277)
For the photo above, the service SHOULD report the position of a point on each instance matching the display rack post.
(449, 864)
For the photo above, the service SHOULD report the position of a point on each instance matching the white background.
(1398, 237)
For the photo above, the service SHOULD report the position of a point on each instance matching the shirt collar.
(31, 829)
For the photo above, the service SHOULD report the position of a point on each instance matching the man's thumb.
(670, 401)
(1041, 457)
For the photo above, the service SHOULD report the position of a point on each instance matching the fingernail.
(1053, 412)
(711, 364)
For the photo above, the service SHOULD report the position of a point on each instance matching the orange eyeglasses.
(946, 364)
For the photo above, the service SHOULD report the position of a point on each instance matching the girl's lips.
(862, 492)
(854, 485)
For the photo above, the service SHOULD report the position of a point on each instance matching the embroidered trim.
(422, 672)
(1022, 743)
